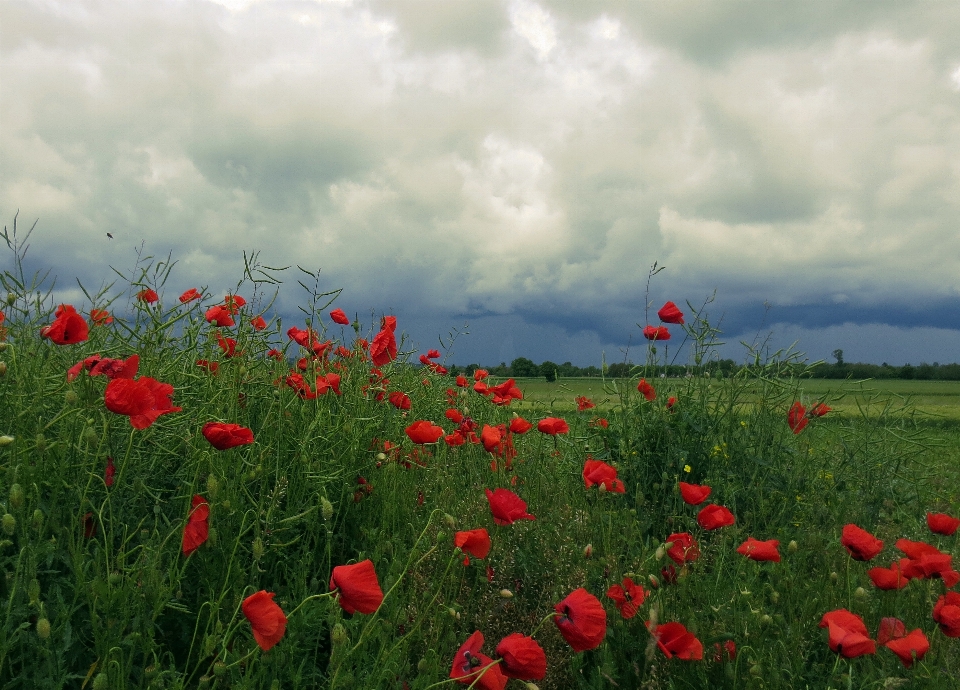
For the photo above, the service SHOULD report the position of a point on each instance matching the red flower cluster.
(684, 548)
(197, 529)
(848, 634)
(859, 543)
(584, 403)
(190, 295)
(104, 366)
(100, 317)
(798, 415)
(423, 431)
(149, 296)
(471, 667)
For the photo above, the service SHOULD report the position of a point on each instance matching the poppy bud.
(71, 397)
(834, 577)
(89, 435)
(765, 619)
(326, 508)
(588, 551)
(33, 591)
(506, 594)
(204, 682)
(212, 486)
(3, 347)
(43, 628)
(381, 456)
(11, 298)
(756, 670)
(662, 550)
(115, 578)
(532, 686)
(441, 536)
(9, 524)
(338, 635)
(101, 681)
(150, 672)
(422, 665)
(3, 368)
(219, 669)
(209, 644)
(257, 549)
(792, 546)
(37, 518)
(449, 520)
(16, 496)
(6, 440)
(860, 593)
(775, 597)
(454, 613)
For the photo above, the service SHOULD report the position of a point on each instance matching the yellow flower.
(687, 469)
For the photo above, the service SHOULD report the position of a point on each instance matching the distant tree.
(522, 367)
(838, 355)
(567, 369)
(548, 370)
(620, 370)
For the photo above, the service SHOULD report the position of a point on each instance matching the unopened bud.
(11, 298)
(9, 524)
(326, 508)
(506, 594)
(834, 577)
(89, 435)
(16, 496)
(43, 628)
(449, 521)
(101, 681)
(115, 578)
(654, 582)
(204, 682)
(33, 591)
(792, 546)
(41, 442)
(422, 665)
(6, 440)
(219, 669)
(150, 672)
(765, 619)
(860, 593)
(37, 519)
(588, 551)
(441, 535)
(71, 397)
(381, 456)
(213, 486)
(756, 670)
(532, 686)
(661, 552)
(3, 368)
(775, 597)
(257, 549)
(454, 613)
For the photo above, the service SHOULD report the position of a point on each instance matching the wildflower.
(848, 634)
(224, 436)
(600, 423)
(946, 612)
(674, 640)
(190, 295)
(889, 578)
(926, 560)
(233, 303)
(109, 472)
(383, 349)
(656, 333)
(453, 415)
(671, 401)
(941, 523)
(143, 400)
(197, 529)
(462, 381)
(522, 658)
(582, 621)
(760, 550)
(910, 647)
(475, 542)
(68, 327)
(258, 323)
(267, 620)
(507, 507)
(359, 589)
(627, 596)
(818, 410)
(714, 517)
(423, 431)
(553, 426)
(584, 403)
(519, 425)
(329, 381)
(646, 390)
(339, 317)
(728, 652)
(399, 400)
(860, 544)
(470, 667)
(694, 494)
(669, 313)
(111, 368)
(220, 316)
(149, 296)
(212, 367)
(100, 317)
(228, 345)
(797, 417)
(598, 472)
(684, 549)
(275, 354)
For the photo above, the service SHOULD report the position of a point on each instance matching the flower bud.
(441, 536)
(3, 368)
(11, 298)
(661, 552)
(834, 577)
(654, 582)
(101, 681)
(257, 549)
(219, 669)
(765, 619)
(41, 442)
(792, 546)
(213, 486)
(16, 496)
(150, 672)
(532, 686)
(756, 670)
(115, 578)
(89, 435)
(381, 456)
(204, 682)
(860, 593)
(506, 594)
(71, 397)
(6, 440)
(33, 591)
(9, 524)
(588, 551)
(449, 521)
(775, 597)
(37, 519)
(326, 508)
(43, 628)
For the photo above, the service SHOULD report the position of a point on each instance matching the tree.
(522, 367)
(838, 355)
(549, 370)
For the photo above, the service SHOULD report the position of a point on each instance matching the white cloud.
(533, 23)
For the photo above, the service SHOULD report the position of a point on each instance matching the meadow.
(195, 494)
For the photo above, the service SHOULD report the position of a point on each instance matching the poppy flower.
(600, 422)
(383, 349)
(684, 549)
(228, 345)
(197, 529)
(890, 629)
(258, 323)
(462, 381)
(68, 327)
(109, 472)
(90, 529)
(100, 317)
(757, 550)
(818, 410)
(714, 517)
(220, 316)
(848, 634)
(88, 363)
(553, 426)
(669, 313)
(946, 612)
(505, 393)
(400, 400)
(475, 542)
(224, 436)
(275, 354)
(423, 431)
(674, 640)
(519, 425)
(926, 560)
(627, 596)
(941, 523)
(116, 368)
(339, 317)
(212, 367)
(728, 652)
(694, 494)
(582, 620)
(507, 507)
(646, 390)
(522, 658)
(233, 303)
(656, 333)
(359, 589)
(190, 295)
(454, 439)
(143, 400)
(599, 472)
(491, 437)
(797, 417)
(671, 401)
(149, 296)
(860, 544)
(584, 403)
(909, 647)
(267, 620)
(889, 578)
(329, 381)
(470, 667)
(453, 415)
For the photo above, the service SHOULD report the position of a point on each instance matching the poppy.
(889, 578)
(480, 374)
(848, 634)
(88, 363)
(909, 647)
(600, 422)
(656, 333)
(926, 560)
(267, 620)
(224, 436)
(190, 295)
(599, 472)
(258, 323)
(220, 316)
(149, 296)
(109, 472)
(340, 317)
(453, 415)
(684, 549)
(507, 507)
(68, 327)
(728, 652)
(714, 517)
(327, 382)
(491, 437)
(359, 589)
(669, 313)
(941, 523)
(582, 620)
(946, 612)
(646, 390)
(519, 425)
(462, 381)
(584, 403)
(197, 529)
(671, 401)
(454, 439)
(475, 542)
(212, 367)
(890, 629)
(383, 349)
(627, 596)
(694, 494)
(275, 354)
(228, 345)
(143, 400)
(399, 400)
(470, 667)
(116, 368)
(100, 317)
(233, 303)
(818, 410)
(505, 393)
(674, 640)
(860, 544)
(797, 417)
(757, 550)
(522, 658)
(423, 431)
(553, 426)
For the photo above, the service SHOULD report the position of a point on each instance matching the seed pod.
(43, 628)
(16, 496)
(90, 436)
(219, 669)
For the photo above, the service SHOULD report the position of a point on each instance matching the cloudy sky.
(515, 165)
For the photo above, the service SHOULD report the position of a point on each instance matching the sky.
(507, 169)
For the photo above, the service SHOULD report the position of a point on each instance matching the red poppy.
(818, 410)
(462, 381)
(941, 523)
(423, 431)
(224, 436)
(302, 388)
(359, 589)
(926, 560)
(600, 422)
(646, 390)
(684, 549)
(491, 438)
(197, 529)
(505, 393)
(90, 529)
(453, 415)
(383, 349)
(267, 620)
(584, 403)
(454, 439)
(627, 596)
(228, 345)
(728, 652)
(946, 612)
(258, 323)
(480, 374)
(470, 667)
(507, 507)
(233, 303)
(521, 657)
(475, 542)
(889, 578)
(674, 640)
(760, 550)
(669, 313)
(109, 472)
(275, 354)
(848, 634)
(143, 400)
(890, 629)
(212, 367)
(100, 317)
(553, 426)
(714, 517)
(116, 368)
(400, 400)
(88, 363)
(656, 333)
(68, 327)
(582, 620)
(694, 494)
(860, 544)
(519, 425)
(797, 417)
(340, 317)
(190, 295)
(149, 296)
(910, 647)
(220, 316)
(598, 472)
(327, 382)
